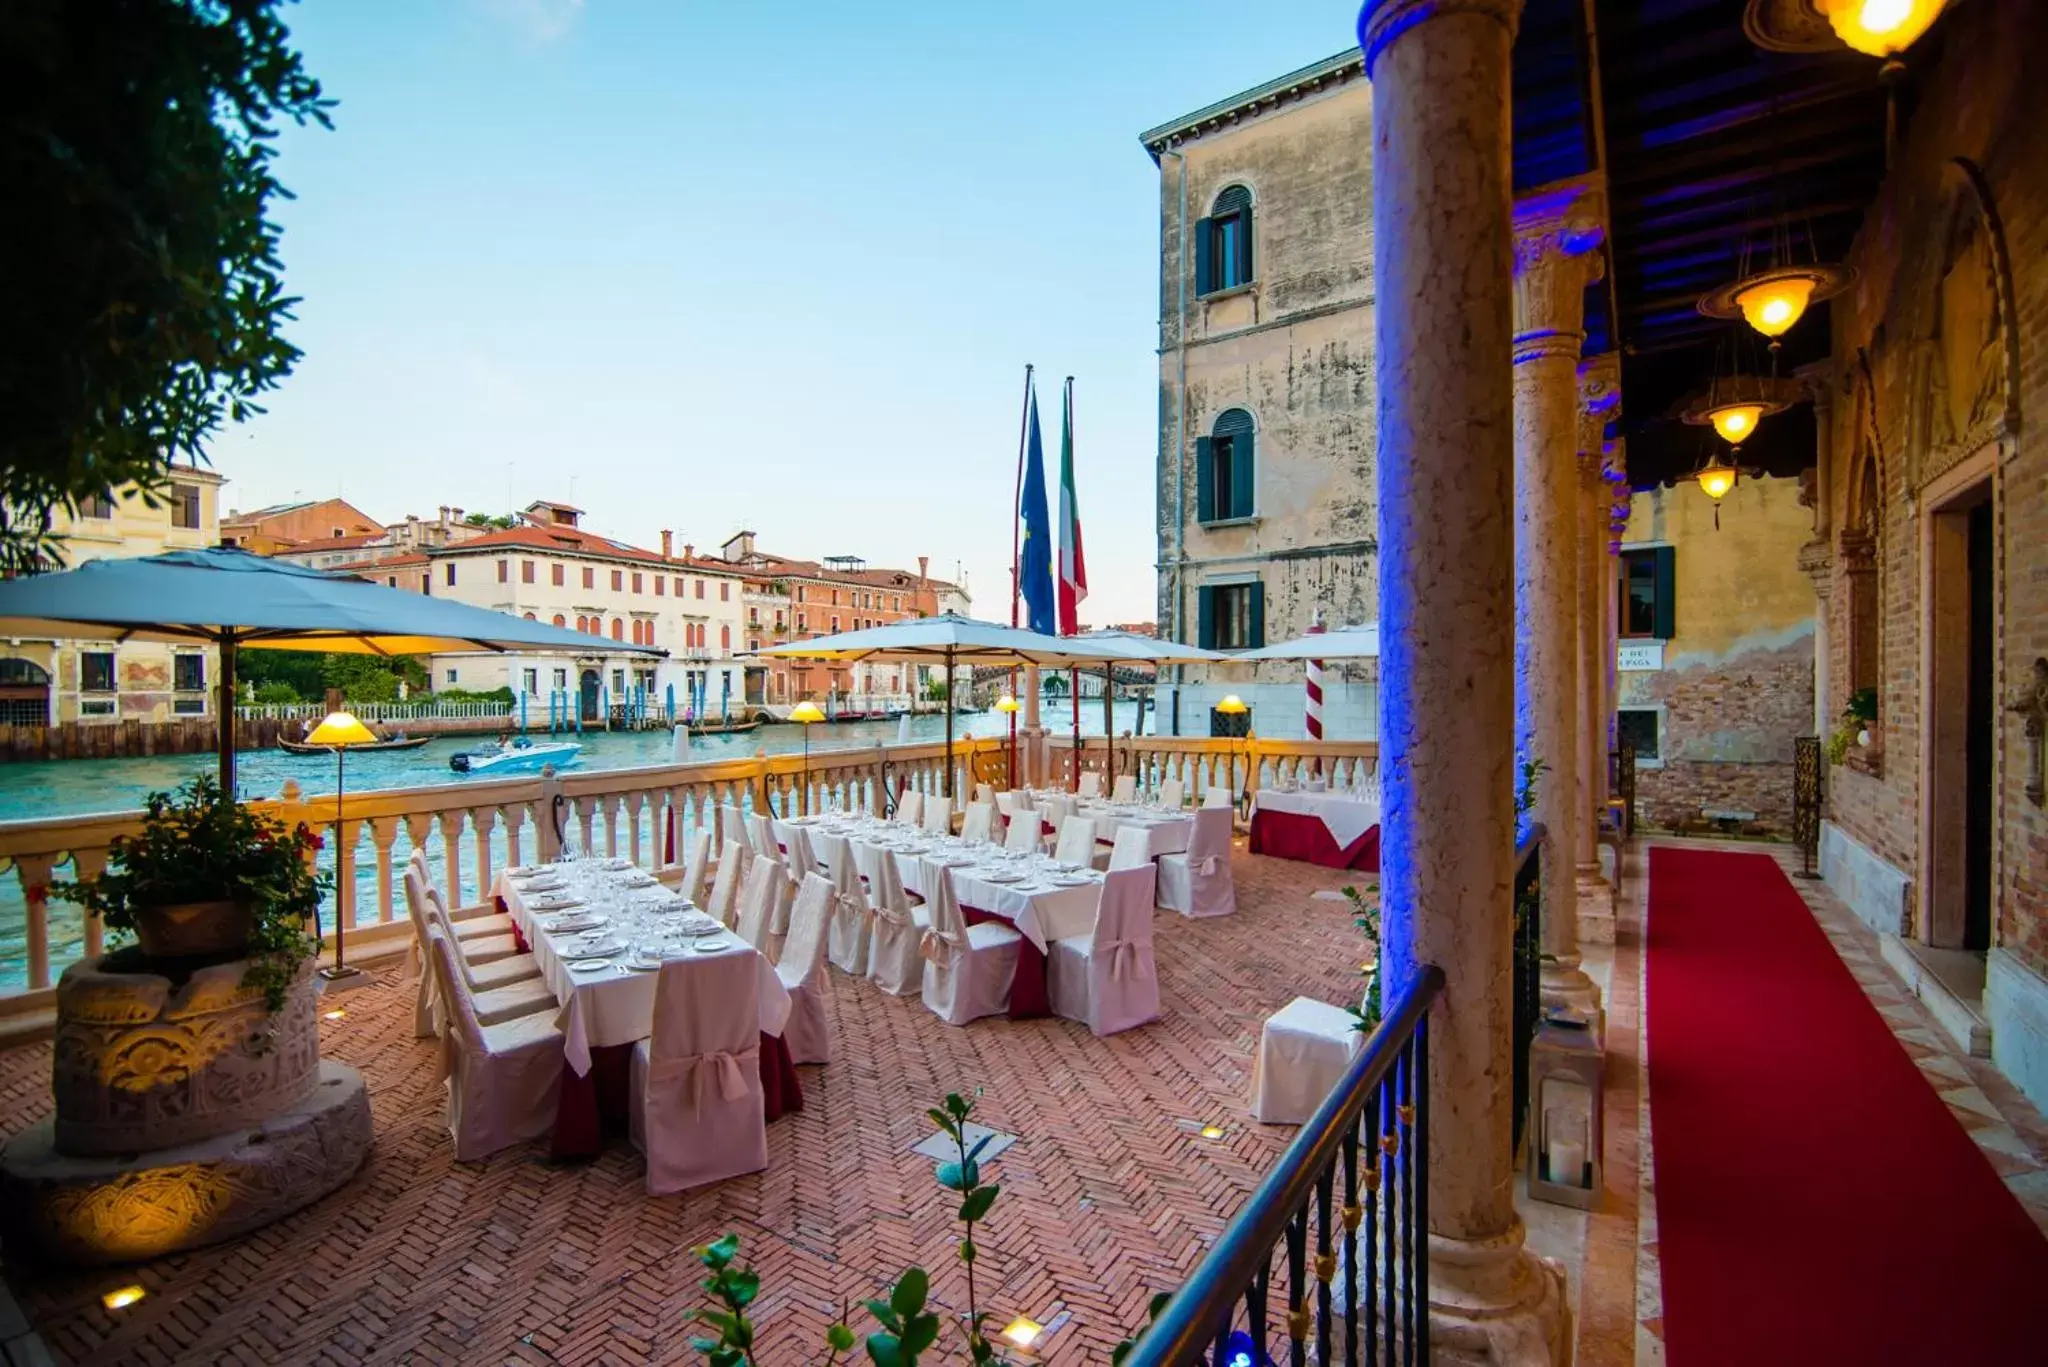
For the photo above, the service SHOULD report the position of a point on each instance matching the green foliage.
(503, 695)
(1525, 793)
(200, 846)
(1366, 904)
(146, 301)
(502, 522)
(278, 692)
(1863, 705)
(309, 674)
(935, 689)
(1859, 716)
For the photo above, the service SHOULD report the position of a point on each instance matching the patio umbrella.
(1338, 643)
(1132, 648)
(236, 600)
(949, 637)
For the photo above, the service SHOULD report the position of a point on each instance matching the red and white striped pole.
(1315, 695)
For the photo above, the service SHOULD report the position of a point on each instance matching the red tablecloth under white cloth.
(1334, 830)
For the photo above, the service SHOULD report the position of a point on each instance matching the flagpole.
(1016, 553)
(1073, 671)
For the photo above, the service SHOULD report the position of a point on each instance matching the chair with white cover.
(732, 824)
(967, 969)
(759, 901)
(695, 1107)
(1010, 801)
(696, 867)
(1133, 848)
(1125, 789)
(1077, 841)
(938, 815)
(909, 806)
(852, 923)
(1172, 794)
(503, 1080)
(1026, 827)
(471, 924)
(719, 905)
(1199, 882)
(1107, 979)
(896, 953)
(979, 823)
(761, 835)
(488, 975)
(984, 792)
(803, 974)
(799, 861)
(426, 1001)
(1304, 1049)
(1090, 784)
(1216, 795)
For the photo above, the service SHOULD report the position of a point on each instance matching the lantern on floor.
(1566, 1064)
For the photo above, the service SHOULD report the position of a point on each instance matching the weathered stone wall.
(1736, 686)
(1295, 350)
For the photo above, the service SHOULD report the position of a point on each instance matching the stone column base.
(1492, 1303)
(1566, 987)
(1596, 910)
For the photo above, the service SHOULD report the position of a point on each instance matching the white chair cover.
(1303, 1051)
(803, 974)
(1025, 829)
(852, 923)
(732, 824)
(1077, 841)
(938, 815)
(1216, 795)
(968, 969)
(696, 1105)
(1010, 801)
(984, 793)
(1199, 882)
(1108, 979)
(759, 900)
(426, 1021)
(761, 835)
(1125, 789)
(1133, 848)
(726, 884)
(482, 975)
(503, 1080)
(1172, 793)
(697, 867)
(909, 806)
(1091, 784)
(896, 954)
(979, 823)
(799, 861)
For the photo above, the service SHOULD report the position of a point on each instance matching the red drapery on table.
(1029, 998)
(598, 1102)
(1294, 835)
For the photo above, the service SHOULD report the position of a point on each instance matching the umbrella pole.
(1074, 701)
(227, 713)
(1109, 726)
(948, 775)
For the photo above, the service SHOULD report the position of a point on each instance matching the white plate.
(590, 965)
(616, 864)
(597, 949)
(1000, 876)
(573, 921)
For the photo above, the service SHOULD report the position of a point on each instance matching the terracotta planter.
(194, 928)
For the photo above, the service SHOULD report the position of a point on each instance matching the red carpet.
(1816, 1201)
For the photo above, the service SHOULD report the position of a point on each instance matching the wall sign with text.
(1639, 655)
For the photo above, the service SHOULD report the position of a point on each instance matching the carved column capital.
(1382, 22)
(1558, 232)
(1599, 401)
(1818, 379)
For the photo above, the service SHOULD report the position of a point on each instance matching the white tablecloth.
(1345, 815)
(617, 1006)
(1040, 911)
(1166, 832)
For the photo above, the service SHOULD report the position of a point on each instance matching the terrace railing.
(469, 830)
(1328, 1261)
(1244, 764)
(378, 712)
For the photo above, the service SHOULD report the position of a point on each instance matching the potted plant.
(1854, 727)
(208, 878)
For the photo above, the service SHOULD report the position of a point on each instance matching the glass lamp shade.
(1881, 28)
(1232, 704)
(806, 712)
(1006, 703)
(1773, 306)
(341, 728)
(1735, 421)
(1716, 480)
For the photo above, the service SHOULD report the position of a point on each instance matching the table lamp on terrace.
(1233, 706)
(338, 731)
(1008, 705)
(806, 713)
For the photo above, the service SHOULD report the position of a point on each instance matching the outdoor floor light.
(338, 731)
(806, 713)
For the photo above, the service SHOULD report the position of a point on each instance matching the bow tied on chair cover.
(729, 1071)
(937, 949)
(1207, 867)
(1121, 954)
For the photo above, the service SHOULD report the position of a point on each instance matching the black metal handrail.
(1386, 1086)
(1528, 972)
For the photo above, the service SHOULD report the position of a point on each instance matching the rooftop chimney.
(689, 551)
(923, 566)
(668, 539)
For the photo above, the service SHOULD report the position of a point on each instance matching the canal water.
(46, 789)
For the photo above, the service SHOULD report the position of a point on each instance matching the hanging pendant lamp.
(1880, 28)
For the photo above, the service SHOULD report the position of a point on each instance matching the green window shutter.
(1243, 468)
(1258, 616)
(1205, 481)
(1666, 593)
(1205, 269)
(1244, 248)
(1205, 621)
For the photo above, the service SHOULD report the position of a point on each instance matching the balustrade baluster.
(1298, 1303)
(87, 864)
(383, 835)
(480, 819)
(586, 812)
(1326, 1263)
(634, 805)
(451, 855)
(512, 816)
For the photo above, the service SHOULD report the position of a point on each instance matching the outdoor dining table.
(1166, 832)
(604, 1013)
(1335, 830)
(1039, 908)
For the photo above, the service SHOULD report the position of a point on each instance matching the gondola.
(726, 728)
(299, 747)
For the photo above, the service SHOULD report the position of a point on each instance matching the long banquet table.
(1166, 832)
(1334, 830)
(606, 1012)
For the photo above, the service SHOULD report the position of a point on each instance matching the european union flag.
(1034, 569)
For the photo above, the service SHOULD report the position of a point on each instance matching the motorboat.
(519, 756)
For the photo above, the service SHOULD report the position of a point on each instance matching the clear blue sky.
(705, 266)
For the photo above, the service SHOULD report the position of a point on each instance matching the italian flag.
(1073, 568)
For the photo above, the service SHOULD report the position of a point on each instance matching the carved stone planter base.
(134, 1207)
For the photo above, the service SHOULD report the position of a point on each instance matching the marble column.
(1442, 262)
(1599, 402)
(1614, 470)
(1557, 255)
(1816, 557)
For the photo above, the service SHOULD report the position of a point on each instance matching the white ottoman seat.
(1303, 1051)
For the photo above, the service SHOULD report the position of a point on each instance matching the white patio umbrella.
(236, 600)
(1133, 648)
(1338, 643)
(949, 637)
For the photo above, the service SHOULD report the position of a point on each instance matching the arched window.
(531, 618)
(560, 621)
(725, 638)
(618, 628)
(1226, 467)
(582, 622)
(1223, 243)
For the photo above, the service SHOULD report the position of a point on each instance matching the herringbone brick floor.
(1108, 1196)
